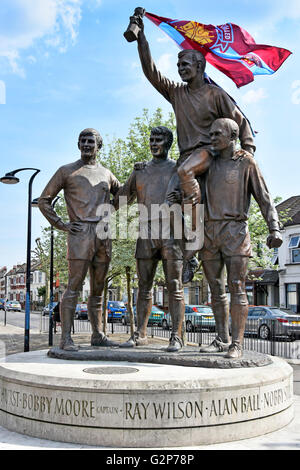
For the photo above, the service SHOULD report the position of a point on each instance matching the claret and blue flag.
(228, 47)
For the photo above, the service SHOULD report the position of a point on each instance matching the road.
(18, 319)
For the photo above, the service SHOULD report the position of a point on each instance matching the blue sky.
(65, 65)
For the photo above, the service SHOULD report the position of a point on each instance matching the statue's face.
(187, 67)
(158, 145)
(88, 147)
(220, 137)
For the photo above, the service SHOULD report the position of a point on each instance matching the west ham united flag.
(227, 47)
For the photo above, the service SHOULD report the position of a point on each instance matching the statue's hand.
(194, 198)
(241, 153)
(138, 19)
(274, 240)
(140, 165)
(174, 197)
(73, 227)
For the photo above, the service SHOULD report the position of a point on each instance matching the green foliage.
(119, 155)
(259, 232)
(41, 252)
(42, 291)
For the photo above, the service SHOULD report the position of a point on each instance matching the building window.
(291, 296)
(296, 255)
(197, 296)
(250, 295)
(186, 295)
(274, 259)
(160, 295)
(294, 247)
(294, 241)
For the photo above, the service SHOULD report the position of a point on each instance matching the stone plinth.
(186, 357)
(132, 404)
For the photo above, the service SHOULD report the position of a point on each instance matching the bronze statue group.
(211, 170)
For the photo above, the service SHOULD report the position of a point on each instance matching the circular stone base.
(187, 357)
(130, 404)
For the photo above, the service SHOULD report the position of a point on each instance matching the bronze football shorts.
(160, 249)
(224, 239)
(86, 245)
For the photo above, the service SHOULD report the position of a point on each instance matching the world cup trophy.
(131, 34)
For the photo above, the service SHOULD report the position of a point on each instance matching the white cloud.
(135, 65)
(164, 63)
(282, 11)
(254, 96)
(25, 22)
(296, 93)
(164, 39)
(141, 89)
(277, 11)
(167, 65)
(2, 92)
(31, 59)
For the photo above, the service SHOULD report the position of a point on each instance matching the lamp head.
(9, 178)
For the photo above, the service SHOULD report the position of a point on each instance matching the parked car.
(13, 305)
(2, 304)
(126, 317)
(197, 317)
(81, 311)
(157, 316)
(265, 321)
(115, 311)
(46, 309)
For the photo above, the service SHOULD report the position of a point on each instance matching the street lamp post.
(10, 178)
(51, 275)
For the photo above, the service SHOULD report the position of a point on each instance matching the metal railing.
(267, 337)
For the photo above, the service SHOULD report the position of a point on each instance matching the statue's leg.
(173, 274)
(98, 273)
(214, 272)
(237, 267)
(178, 230)
(195, 165)
(77, 272)
(146, 269)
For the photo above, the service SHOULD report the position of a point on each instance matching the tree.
(119, 155)
(262, 255)
(41, 252)
(42, 291)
